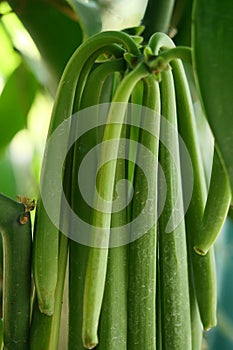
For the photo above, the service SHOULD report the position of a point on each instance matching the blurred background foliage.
(25, 106)
(36, 40)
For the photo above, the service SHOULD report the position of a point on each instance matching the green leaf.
(55, 34)
(89, 13)
(181, 22)
(10, 59)
(158, 16)
(213, 59)
(8, 184)
(15, 102)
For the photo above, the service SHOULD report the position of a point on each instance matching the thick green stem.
(15, 227)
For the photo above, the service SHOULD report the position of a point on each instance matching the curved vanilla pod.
(142, 251)
(15, 227)
(94, 84)
(45, 260)
(216, 208)
(203, 267)
(97, 262)
(173, 262)
(78, 253)
(206, 287)
(166, 51)
(219, 193)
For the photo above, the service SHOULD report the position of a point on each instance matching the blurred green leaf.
(213, 59)
(10, 59)
(89, 13)
(15, 102)
(54, 32)
(17, 45)
(8, 184)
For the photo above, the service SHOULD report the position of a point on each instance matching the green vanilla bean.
(45, 261)
(132, 131)
(173, 267)
(92, 93)
(15, 227)
(158, 318)
(97, 262)
(196, 325)
(216, 209)
(113, 319)
(77, 266)
(206, 287)
(44, 332)
(142, 252)
(175, 303)
(219, 194)
(204, 266)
